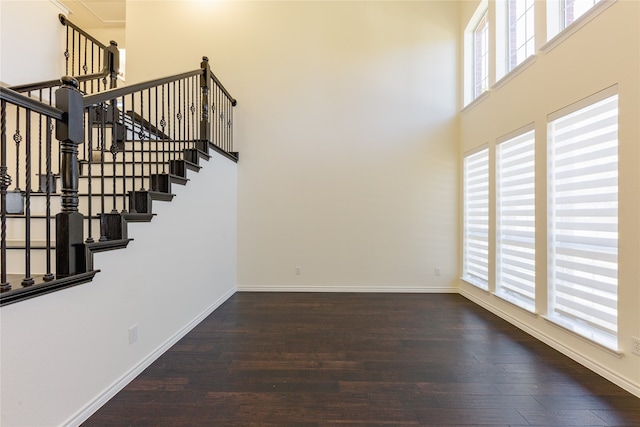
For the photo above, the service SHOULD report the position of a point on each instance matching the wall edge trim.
(594, 366)
(96, 403)
(346, 288)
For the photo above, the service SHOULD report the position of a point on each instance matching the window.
(476, 54)
(476, 218)
(481, 56)
(515, 249)
(573, 9)
(562, 13)
(520, 36)
(583, 218)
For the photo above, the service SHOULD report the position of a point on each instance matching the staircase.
(81, 159)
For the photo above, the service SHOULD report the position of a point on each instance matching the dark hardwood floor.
(344, 359)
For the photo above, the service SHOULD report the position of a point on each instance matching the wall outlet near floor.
(298, 271)
(437, 271)
(133, 334)
(635, 346)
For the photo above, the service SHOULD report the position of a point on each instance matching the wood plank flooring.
(345, 359)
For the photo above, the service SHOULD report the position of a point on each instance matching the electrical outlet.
(298, 271)
(635, 346)
(437, 271)
(133, 334)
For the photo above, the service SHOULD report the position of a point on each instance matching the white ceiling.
(96, 13)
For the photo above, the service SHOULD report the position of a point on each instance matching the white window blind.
(515, 215)
(583, 221)
(476, 218)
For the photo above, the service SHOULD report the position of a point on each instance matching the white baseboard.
(117, 386)
(557, 345)
(354, 288)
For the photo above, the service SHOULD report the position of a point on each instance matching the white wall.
(66, 353)
(347, 131)
(604, 52)
(26, 56)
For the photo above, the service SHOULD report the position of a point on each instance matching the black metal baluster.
(231, 149)
(133, 143)
(89, 113)
(190, 134)
(163, 123)
(73, 51)
(142, 135)
(5, 182)
(17, 138)
(183, 114)
(28, 280)
(157, 138)
(48, 275)
(149, 134)
(220, 120)
(66, 53)
(123, 130)
(173, 115)
(103, 146)
(40, 189)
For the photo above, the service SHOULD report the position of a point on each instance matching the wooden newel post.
(113, 62)
(205, 86)
(69, 222)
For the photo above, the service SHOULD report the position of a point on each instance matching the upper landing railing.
(93, 64)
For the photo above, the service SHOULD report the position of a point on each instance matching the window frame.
(469, 49)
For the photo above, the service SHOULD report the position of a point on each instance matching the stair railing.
(94, 65)
(119, 150)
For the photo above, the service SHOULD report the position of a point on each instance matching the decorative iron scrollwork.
(17, 137)
(179, 116)
(163, 123)
(85, 68)
(5, 178)
(66, 54)
(192, 109)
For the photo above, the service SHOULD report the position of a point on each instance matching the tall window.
(476, 53)
(476, 218)
(573, 9)
(515, 179)
(562, 13)
(520, 28)
(481, 56)
(583, 218)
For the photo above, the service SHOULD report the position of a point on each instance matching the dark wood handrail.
(64, 21)
(55, 83)
(34, 105)
(234, 102)
(111, 94)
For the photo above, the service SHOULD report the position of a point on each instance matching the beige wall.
(347, 131)
(26, 56)
(604, 52)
